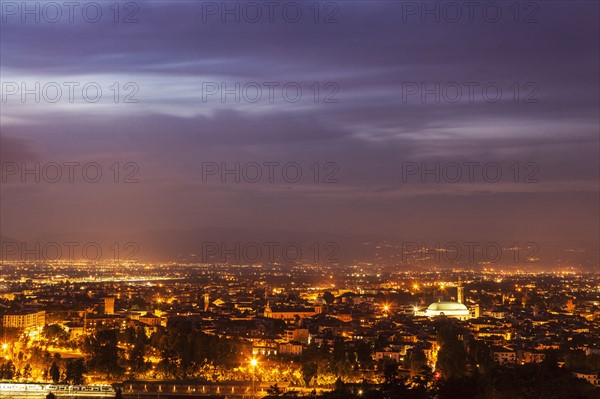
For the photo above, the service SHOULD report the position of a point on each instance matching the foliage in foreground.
(530, 381)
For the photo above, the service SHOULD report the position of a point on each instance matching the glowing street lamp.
(253, 364)
(386, 309)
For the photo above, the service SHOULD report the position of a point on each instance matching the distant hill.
(202, 243)
(243, 245)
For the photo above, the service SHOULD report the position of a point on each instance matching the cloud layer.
(380, 87)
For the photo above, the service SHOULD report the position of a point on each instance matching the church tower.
(109, 305)
(206, 302)
(460, 291)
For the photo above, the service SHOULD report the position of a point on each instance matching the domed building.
(449, 309)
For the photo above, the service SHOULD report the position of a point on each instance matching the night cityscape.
(378, 199)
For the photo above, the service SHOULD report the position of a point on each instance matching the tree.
(339, 350)
(390, 374)
(55, 373)
(135, 356)
(54, 332)
(74, 371)
(7, 370)
(51, 396)
(461, 387)
(104, 352)
(328, 297)
(364, 353)
(339, 385)
(480, 357)
(274, 390)
(27, 371)
(452, 356)
(309, 371)
(533, 381)
(417, 361)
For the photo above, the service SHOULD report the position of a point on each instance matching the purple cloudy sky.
(370, 54)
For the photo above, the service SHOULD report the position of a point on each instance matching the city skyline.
(300, 199)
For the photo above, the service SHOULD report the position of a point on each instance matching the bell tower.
(460, 291)
(206, 301)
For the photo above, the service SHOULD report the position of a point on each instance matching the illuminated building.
(25, 320)
(291, 348)
(291, 313)
(206, 302)
(298, 335)
(150, 319)
(592, 378)
(109, 305)
(460, 292)
(446, 308)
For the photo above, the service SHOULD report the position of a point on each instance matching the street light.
(253, 364)
(386, 309)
